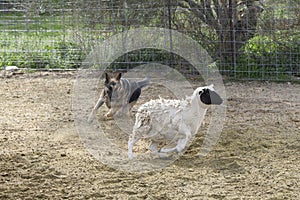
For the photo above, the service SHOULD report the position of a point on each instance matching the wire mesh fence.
(247, 39)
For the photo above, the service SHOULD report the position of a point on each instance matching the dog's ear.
(118, 77)
(107, 78)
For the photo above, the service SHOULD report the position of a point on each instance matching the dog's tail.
(143, 82)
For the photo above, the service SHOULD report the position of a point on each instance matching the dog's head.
(110, 84)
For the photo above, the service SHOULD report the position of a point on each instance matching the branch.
(194, 8)
(202, 11)
(217, 8)
(211, 19)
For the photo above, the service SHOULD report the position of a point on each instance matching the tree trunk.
(233, 21)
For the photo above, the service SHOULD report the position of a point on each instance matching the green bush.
(39, 51)
(270, 57)
(142, 56)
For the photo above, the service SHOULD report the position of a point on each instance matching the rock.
(11, 68)
(63, 154)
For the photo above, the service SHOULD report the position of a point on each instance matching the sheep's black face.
(209, 97)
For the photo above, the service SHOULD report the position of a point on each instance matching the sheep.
(165, 120)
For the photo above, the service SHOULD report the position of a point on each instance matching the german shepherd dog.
(119, 94)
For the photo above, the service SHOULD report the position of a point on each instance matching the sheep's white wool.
(164, 120)
(161, 119)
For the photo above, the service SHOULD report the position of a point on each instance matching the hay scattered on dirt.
(43, 157)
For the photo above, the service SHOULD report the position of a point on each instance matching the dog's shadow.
(116, 129)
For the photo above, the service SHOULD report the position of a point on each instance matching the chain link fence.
(248, 40)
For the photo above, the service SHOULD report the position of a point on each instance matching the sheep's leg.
(181, 144)
(131, 142)
(167, 150)
(153, 147)
(178, 148)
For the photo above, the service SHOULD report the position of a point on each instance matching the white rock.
(11, 68)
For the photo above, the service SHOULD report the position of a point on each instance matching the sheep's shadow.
(219, 160)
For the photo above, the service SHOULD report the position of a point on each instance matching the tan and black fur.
(119, 94)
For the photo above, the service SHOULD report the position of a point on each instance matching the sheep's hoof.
(130, 156)
(163, 156)
(161, 150)
(166, 150)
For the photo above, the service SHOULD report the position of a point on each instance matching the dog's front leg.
(109, 114)
(112, 111)
(99, 103)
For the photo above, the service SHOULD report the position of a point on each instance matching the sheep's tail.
(143, 82)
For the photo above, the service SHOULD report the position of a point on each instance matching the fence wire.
(247, 39)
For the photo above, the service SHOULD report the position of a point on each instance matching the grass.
(38, 42)
(62, 42)
(39, 50)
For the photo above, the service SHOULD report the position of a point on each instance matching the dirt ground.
(42, 156)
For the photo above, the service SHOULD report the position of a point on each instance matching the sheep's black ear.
(107, 78)
(210, 97)
(118, 77)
